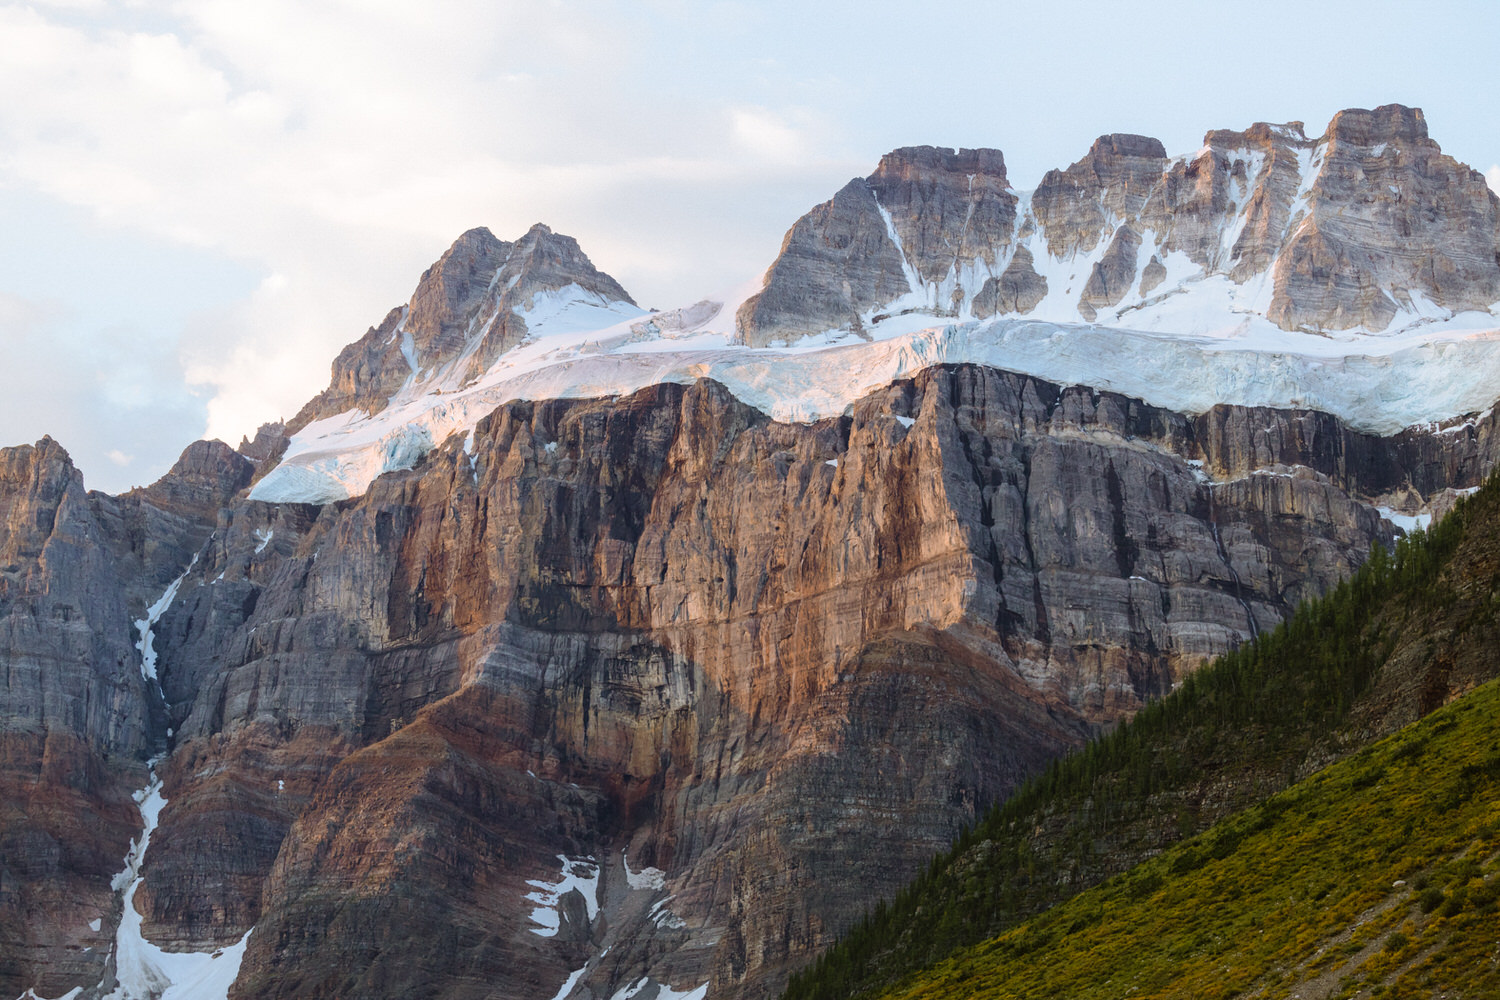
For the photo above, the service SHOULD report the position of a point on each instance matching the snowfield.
(1201, 343)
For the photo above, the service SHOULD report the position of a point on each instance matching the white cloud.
(118, 457)
(766, 134)
(1493, 177)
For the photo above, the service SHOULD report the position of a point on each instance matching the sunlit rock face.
(780, 664)
(1368, 226)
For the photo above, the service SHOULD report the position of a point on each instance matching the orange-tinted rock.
(666, 629)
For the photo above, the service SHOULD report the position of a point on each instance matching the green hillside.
(1403, 636)
(1379, 875)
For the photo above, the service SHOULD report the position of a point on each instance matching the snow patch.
(146, 643)
(572, 981)
(263, 536)
(646, 878)
(1408, 523)
(663, 992)
(905, 421)
(142, 970)
(577, 873)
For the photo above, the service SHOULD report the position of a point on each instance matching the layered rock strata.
(1349, 230)
(778, 663)
(468, 308)
(744, 675)
(78, 715)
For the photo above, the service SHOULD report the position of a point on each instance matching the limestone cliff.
(778, 663)
(78, 715)
(1368, 226)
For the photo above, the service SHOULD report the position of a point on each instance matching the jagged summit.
(1356, 272)
(1369, 227)
(469, 307)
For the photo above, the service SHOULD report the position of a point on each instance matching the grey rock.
(1018, 289)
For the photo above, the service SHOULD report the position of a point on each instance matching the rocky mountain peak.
(1389, 123)
(1117, 146)
(205, 477)
(1368, 227)
(34, 479)
(468, 308)
(543, 261)
(948, 207)
(909, 163)
(1389, 225)
(451, 289)
(1075, 207)
(915, 230)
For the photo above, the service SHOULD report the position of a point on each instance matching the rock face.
(1364, 226)
(1389, 217)
(762, 669)
(76, 710)
(468, 308)
(836, 264)
(918, 226)
(74, 714)
(678, 684)
(1074, 207)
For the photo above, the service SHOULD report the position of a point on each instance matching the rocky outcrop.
(1018, 289)
(468, 308)
(666, 632)
(1113, 276)
(836, 264)
(1075, 207)
(1389, 217)
(1364, 226)
(949, 208)
(922, 222)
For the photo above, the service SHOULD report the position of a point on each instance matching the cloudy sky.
(202, 200)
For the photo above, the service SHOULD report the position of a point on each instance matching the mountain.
(1368, 226)
(80, 710)
(1342, 770)
(564, 649)
(1357, 273)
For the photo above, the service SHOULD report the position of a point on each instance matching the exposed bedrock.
(923, 217)
(78, 718)
(780, 663)
(1349, 229)
(466, 310)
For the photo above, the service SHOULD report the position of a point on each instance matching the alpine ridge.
(563, 649)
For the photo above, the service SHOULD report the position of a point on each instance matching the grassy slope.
(1380, 874)
(1398, 639)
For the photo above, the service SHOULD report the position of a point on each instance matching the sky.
(201, 201)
